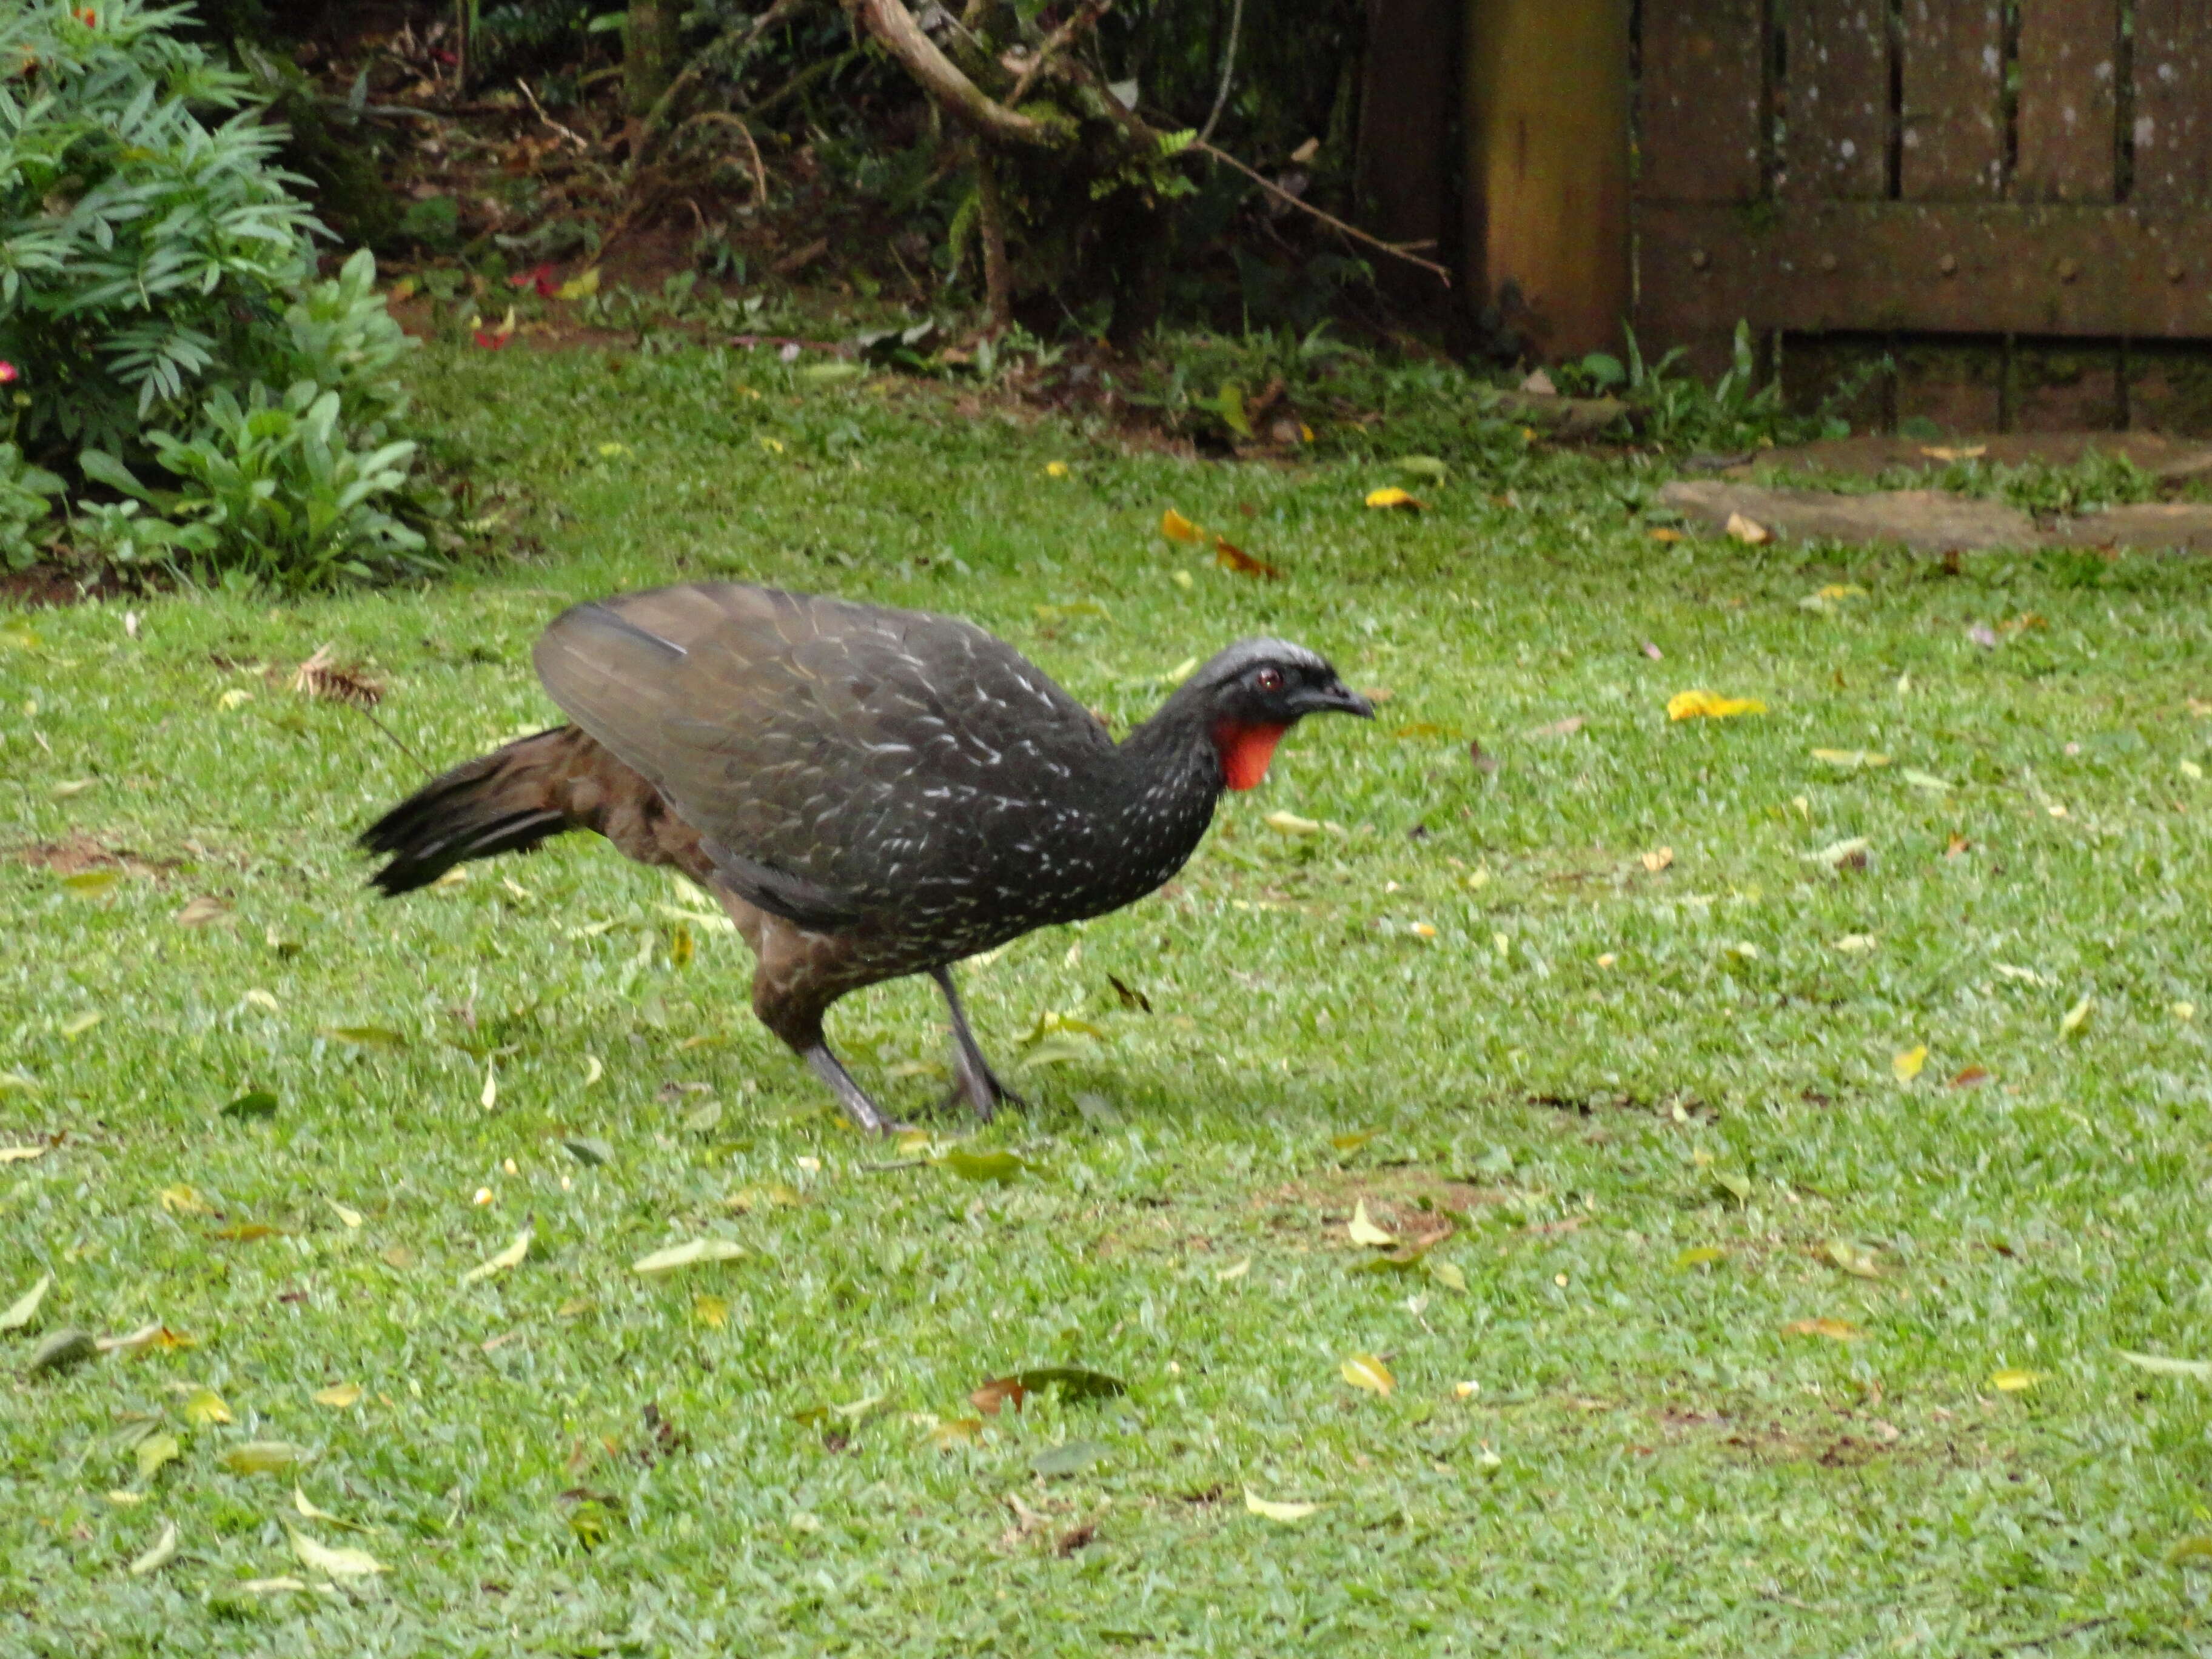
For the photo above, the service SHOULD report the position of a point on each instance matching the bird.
(869, 792)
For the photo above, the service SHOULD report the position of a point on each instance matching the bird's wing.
(838, 758)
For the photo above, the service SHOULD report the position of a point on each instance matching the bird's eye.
(1269, 679)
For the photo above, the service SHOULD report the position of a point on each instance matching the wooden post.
(1547, 222)
(1404, 172)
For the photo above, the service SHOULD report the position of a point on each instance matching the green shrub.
(159, 303)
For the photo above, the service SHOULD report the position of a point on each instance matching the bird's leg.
(973, 1077)
(850, 1095)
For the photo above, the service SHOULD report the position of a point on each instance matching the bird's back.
(849, 763)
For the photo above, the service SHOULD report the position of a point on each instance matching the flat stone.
(1934, 520)
(1869, 456)
(1926, 520)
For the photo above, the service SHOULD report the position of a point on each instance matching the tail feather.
(502, 802)
(515, 798)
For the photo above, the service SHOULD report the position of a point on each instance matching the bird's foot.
(975, 1082)
(850, 1095)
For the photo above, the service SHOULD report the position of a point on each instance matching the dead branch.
(998, 274)
(582, 144)
(1395, 250)
(1084, 19)
(893, 26)
(722, 118)
(648, 129)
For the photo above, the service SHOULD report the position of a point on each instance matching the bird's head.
(1250, 694)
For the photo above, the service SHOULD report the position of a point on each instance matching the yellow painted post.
(1546, 220)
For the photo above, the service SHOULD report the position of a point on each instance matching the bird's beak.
(1337, 698)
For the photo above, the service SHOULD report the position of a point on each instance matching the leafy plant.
(26, 504)
(158, 301)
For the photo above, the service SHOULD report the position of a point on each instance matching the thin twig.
(1395, 250)
(399, 743)
(570, 133)
(722, 118)
(1228, 71)
(2058, 1635)
(648, 129)
(1083, 19)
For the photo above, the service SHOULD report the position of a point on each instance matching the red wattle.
(1245, 751)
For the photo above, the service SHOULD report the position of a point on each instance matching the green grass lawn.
(1603, 1017)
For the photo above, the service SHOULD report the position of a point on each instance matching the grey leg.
(973, 1077)
(854, 1098)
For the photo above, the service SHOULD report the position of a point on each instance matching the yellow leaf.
(263, 1458)
(2014, 1381)
(712, 1310)
(581, 286)
(510, 1257)
(350, 1217)
(1858, 1263)
(1850, 760)
(1836, 1330)
(699, 1250)
(2196, 1548)
(488, 1096)
(339, 1563)
(339, 1395)
(1961, 452)
(1702, 1256)
(204, 1408)
(1446, 1273)
(2076, 1016)
(307, 1509)
(1236, 1272)
(1055, 469)
(1274, 1511)
(1841, 590)
(163, 1551)
(1666, 535)
(1709, 705)
(78, 1025)
(953, 1431)
(1364, 1370)
(25, 1308)
(1906, 1066)
(154, 1451)
(231, 698)
(1290, 823)
(1658, 859)
(1391, 497)
(1748, 530)
(1364, 1231)
(1177, 528)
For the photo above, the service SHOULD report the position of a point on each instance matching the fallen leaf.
(1652, 651)
(1071, 1458)
(1748, 530)
(25, 1308)
(1177, 528)
(1841, 854)
(71, 789)
(2076, 1016)
(1236, 1271)
(1709, 705)
(2188, 1550)
(1860, 1264)
(1289, 823)
(1364, 1231)
(181, 1200)
(91, 884)
(263, 1458)
(713, 1311)
(1700, 1256)
(1836, 1330)
(254, 1103)
(339, 1396)
(367, 1037)
(155, 1451)
(698, 1252)
(1446, 1273)
(2198, 1369)
(339, 1563)
(1274, 1511)
(997, 1165)
(581, 286)
(163, 1551)
(510, 1257)
(1849, 760)
(1658, 859)
(1665, 534)
(2011, 1381)
(1055, 469)
(585, 1149)
(1390, 496)
(77, 1025)
(952, 1431)
(1906, 1066)
(1984, 636)
(1565, 729)
(1854, 943)
(1364, 1370)
(1230, 557)
(1971, 1077)
(1928, 780)
(1948, 453)
(204, 1408)
(61, 1350)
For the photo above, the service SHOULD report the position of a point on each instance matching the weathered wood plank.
(1953, 114)
(1699, 133)
(2069, 142)
(1838, 94)
(2173, 102)
(1961, 268)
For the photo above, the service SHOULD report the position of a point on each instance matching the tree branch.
(649, 130)
(1082, 20)
(998, 273)
(893, 28)
(1395, 250)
